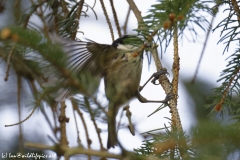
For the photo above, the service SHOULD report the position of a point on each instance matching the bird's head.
(128, 43)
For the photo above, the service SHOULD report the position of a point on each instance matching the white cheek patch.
(127, 47)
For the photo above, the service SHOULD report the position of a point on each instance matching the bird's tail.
(112, 133)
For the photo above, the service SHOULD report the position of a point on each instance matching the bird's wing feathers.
(88, 56)
(86, 60)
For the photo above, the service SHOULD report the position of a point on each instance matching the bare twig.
(19, 114)
(83, 121)
(49, 122)
(32, 11)
(74, 150)
(94, 4)
(94, 122)
(116, 18)
(64, 7)
(126, 21)
(89, 141)
(107, 18)
(35, 91)
(176, 122)
(39, 146)
(163, 80)
(78, 15)
(129, 115)
(24, 119)
(156, 58)
(218, 107)
(8, 63)
(236, 8)
(135, 10)
(63, 120)
(99, 105)
(75, 119)
(40, 14)
(204, 47)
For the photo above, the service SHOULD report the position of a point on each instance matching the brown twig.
(64, 7)
(120, 119)
(49, 122)
(32, 11)
(94, 122)
(126, 21)
(74, 150)
(76, 124)
(94, 4)
(54, 127)
(74, 104)
(204, 47)
(55, 14)
(163, 80)
(40, 14)
(116, 18)
(24, 119)
(62, 119)
(99, 105)
(219, 105)
(35, 91)
(19, 113)
(78, 15)
(135, 10)
(129, 115)
(8, 63)
(107, 18)
(176, 122)
(236, 8)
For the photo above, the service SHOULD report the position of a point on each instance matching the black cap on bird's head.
(119, 41)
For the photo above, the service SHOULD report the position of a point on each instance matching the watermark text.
(36, 156)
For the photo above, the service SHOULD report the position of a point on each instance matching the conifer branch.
(163, 80)
(218, 107)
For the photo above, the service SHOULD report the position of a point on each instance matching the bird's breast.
(123, 76)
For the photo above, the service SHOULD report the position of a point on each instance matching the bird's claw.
(158, 74)
(168, 97)
(140, 88)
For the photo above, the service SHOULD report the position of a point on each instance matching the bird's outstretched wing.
(87, 62)
(88, 56)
